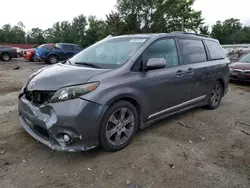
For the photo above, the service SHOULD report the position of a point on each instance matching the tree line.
(129, 16)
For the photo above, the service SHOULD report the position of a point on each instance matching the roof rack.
(188, 33)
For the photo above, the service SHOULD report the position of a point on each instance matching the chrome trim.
(177, 112)
(238, 70)
(178, 106)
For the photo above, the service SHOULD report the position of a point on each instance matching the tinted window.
(193, 51)
(215, 50)
(163, 49)
(68, 47)
(77, 48)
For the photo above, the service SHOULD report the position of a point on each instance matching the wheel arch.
(222, 82)
(54, 54)
(4, 52)
(132, 100)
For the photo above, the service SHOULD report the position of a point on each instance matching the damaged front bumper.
(79, 119)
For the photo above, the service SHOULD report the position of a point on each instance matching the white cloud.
(44, 13)
(213, 10)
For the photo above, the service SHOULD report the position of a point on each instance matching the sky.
(44, 13)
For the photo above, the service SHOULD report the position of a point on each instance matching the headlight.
(28, 53)
(230, 69)
(73, 92)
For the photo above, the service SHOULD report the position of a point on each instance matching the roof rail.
(188, 33)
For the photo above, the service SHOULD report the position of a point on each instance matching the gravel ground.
(211, 150)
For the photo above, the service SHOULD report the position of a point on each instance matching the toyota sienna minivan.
(104, 94)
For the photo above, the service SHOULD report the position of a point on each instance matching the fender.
(108, 96)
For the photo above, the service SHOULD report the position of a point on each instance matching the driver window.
(165, 48)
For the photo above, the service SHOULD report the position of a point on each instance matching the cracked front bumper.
(78, 118)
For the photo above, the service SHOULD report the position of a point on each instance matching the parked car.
(7, 53)
(19, 51)
(59, 52)
(240, 71)
(30, 54)
(104, 94)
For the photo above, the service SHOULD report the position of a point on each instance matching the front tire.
(5, 57)
(215, 96)
(118, 127)
(32, 59)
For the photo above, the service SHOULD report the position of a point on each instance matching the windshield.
(110, 53)
(245, 59)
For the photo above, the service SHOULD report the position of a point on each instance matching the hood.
(240, 65)
(57, 76)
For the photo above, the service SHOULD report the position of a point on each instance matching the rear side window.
(215, 50)
(68, 47)
(193, 51)
(77, 48)
(165, 48)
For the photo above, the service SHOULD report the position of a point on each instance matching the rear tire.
(118, 127)
(5, 57)
(215, 96)
(53, 59)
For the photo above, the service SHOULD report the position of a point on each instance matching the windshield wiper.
(87, 64)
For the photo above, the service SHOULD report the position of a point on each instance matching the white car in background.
(19, 51)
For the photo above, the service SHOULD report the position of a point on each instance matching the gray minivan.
(104, 94)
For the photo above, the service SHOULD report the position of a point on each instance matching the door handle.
(190, 71)
(180, 73)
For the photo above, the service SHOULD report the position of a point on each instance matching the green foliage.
(15, 34)
(231, 31)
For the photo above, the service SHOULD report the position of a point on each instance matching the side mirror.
(156, 63)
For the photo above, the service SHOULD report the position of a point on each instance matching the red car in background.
(240, 71)
(29, 54)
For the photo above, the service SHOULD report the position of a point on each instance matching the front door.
(165, 88)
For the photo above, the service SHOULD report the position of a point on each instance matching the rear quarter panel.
(222, 72)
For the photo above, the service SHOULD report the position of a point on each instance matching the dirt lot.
(211, 151)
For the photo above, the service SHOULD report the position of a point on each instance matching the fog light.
(66, 138)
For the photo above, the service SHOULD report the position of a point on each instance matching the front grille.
(39, 97)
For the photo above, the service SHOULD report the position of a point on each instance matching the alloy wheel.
(6, 57)
(216, 94)
(120, 126)
(53, 59)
